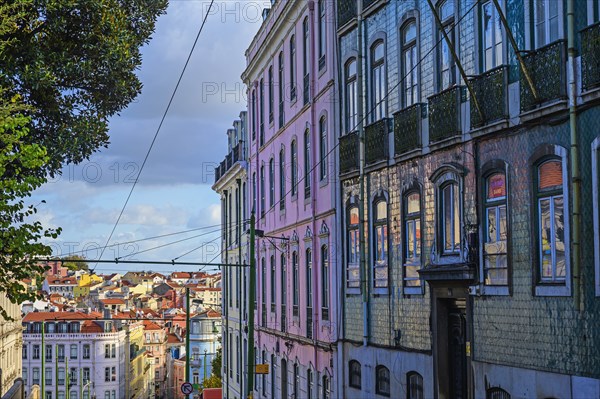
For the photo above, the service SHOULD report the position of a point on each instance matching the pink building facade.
(291, 81)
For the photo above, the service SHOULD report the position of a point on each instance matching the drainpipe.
(364, 285)
(575, 171)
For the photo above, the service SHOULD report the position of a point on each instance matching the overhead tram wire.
(144, 239)
(372, 109)
(157, 131)
(197, 248)
(170, 243)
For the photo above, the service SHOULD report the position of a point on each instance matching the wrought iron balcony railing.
(546, 67)
(309, 323)
(346, 11)
(590, 57)
(376, 141)
(490, 91)
(407, 128)
(444, 114)
(349, 152)
(234, 156)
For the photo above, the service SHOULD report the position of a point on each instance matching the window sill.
(552, 290)
(408, 291)
(495, 290)
(352, 291)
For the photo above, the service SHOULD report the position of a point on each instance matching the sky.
(173, 193)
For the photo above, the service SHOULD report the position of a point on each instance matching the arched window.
(307, 163)
(283, 293)
(378, 81)
(326, 382)
(322, 33)
(353, 245)
(262, 190)
(281, 84)
(495, 264)
(409, 63)
(324, 282)
(273, 284)
(309, 384)
(284, 379)
(496, 393)
(296, 382)
(273, 376)
(382, 381)
(282, 178)
(450, 220)
(271, 182)
(261, 113)
(293, 67)
(323, 147)
(295, 282)
(306, 59)
(354, 374)
(294, 156)
(412, 240)
(380, 243)
(351, 93)
(414, 386)
(271, 94)
(551, 221)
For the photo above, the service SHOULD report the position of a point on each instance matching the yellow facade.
(141, 379)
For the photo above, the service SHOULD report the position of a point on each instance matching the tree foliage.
(217, 362)
(74, 63)
(66, 67)
(75, 262)
(212, 382)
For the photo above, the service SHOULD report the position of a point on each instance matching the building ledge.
(448, 272)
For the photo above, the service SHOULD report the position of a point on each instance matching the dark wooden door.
(457, 356)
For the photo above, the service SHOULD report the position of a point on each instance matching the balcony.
(490, 90)
(234, 156)
(590, 57)
(546, 67)
(444, 114)
(407, 129)
(376, 142)
(349, 152)
(346, 11)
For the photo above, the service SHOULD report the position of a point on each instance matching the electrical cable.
(170, 243)
(157, 131)
(195, 249)
(144, 239)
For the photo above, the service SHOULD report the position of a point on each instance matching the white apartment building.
(230, 184)
(78, 354)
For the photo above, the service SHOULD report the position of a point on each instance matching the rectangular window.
(73, 351)
(309, 384)
(61, 376)
(107, 351)
(36, 352)
(271, 182)
(412, 242)
(106, 374)
(294, 151)
(113, 374)
(24, 353)
(282, 177)
(253, 108)
(281, 91)
(48, 376)
(445, 60)
(261, 113)
(48, 352)
(495, 234)
(36, 375)
(113, 351)
(306, 59)
(546, 20)
(85, 375)
(61, 353)
(293, 67)
(73, 376)
(491, 29)
(307, 164)
(262, 191)
(272, 285)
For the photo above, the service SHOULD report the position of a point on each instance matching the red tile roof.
(151, 326)
(112, 301)
(44, 316)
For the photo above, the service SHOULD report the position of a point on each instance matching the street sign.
(187, 388)
(261, 369)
